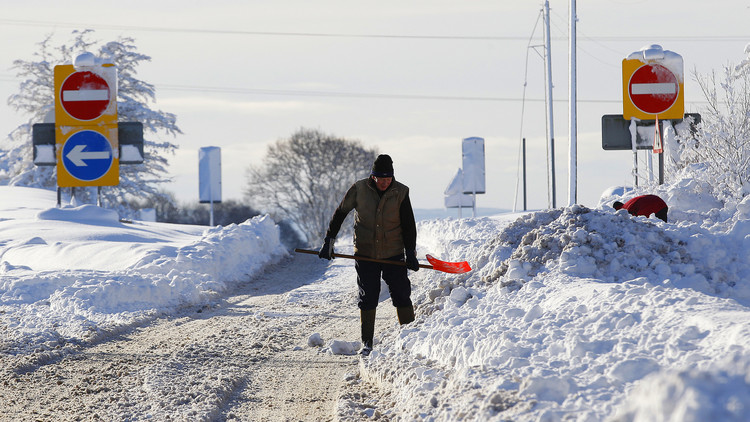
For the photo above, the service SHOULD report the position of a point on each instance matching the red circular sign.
(653, 88)
(84, 95)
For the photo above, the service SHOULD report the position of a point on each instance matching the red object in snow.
(645, 205)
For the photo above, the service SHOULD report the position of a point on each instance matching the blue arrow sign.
(87, 155)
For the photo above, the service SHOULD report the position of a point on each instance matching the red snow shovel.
(438, 265)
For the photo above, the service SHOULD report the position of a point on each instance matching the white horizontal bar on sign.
(86, 95)
(653, 89)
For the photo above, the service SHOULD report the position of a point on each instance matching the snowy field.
(570, 314)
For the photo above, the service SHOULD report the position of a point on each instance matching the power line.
(370, 95)
(304, 93)
(615, 38)
(238, 32)
(254, 91)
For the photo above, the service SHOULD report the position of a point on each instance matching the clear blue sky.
(410, 78)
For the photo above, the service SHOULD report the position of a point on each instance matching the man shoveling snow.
(384, 228)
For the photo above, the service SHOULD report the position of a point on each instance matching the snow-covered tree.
(720, 152)
(35, 98)
(304, 178)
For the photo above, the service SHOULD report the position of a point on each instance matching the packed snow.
(575, 313)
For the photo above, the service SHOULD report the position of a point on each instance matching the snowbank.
(579, 313)
(72, 273)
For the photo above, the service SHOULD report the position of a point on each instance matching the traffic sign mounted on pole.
(87, 156)
(653, 85)
(653, 89)
(617, 135)
(86, 133)
(84, 95)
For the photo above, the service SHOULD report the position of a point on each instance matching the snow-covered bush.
(720, 151)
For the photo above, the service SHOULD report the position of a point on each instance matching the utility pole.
(572, 110)
(524, 173)
(550, 120)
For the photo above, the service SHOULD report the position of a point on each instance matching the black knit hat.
(383, 166)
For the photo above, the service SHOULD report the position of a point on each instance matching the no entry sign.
(653, 88)
(84, 95)
(653, 85)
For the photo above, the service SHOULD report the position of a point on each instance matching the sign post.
(473, 168)
(653, 88)
(209, 178)
(658, 145)
(653, 85)
(86, 133)
(659, 149)
(617, 134)
(454, 195)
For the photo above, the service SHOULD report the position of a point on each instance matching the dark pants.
(368, 280)
(662, 213)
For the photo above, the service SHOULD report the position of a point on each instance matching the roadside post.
(473, 168)
(209, 178)
(454, 195)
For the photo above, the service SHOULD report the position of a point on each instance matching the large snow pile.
(578, 314)
(74, 273)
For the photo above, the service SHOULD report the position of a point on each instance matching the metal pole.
(211, 206)
(661, 154)
(59, 197)
(633, 137)
(572, 98)
(98, 196)
(550, 119)
(523, 148)
(661, 168)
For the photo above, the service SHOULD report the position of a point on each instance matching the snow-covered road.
(245, 357)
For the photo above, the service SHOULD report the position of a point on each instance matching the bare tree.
(303, 178)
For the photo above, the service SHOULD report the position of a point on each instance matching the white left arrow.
(77, 155)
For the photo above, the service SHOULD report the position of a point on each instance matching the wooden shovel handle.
(363, 258)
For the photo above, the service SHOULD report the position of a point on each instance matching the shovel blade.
(449, 267)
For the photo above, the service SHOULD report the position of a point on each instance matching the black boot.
(405, 314)
(368, 330)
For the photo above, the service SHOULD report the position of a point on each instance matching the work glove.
(326, 251)
(412, 262)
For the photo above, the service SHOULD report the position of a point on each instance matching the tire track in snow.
(243, 358)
